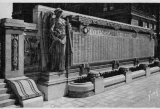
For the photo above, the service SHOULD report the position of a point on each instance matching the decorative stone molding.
(15, 45)
(13, 24)
(97, 21)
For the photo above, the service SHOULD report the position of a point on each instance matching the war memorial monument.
(70, 54)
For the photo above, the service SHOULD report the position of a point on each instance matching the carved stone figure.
(55, 41)
(14, 52)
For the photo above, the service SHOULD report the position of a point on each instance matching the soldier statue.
(57, 47)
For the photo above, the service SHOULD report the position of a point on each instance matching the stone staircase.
(7, 98)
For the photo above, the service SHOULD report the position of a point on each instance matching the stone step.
(2, 85)
(4, 90)
(5, 96)
(1, 80)
(13, 106)
(7, 102)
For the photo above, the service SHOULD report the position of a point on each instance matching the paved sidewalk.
(144, 92)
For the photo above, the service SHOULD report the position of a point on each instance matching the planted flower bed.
(154, 67)
(96, 82)
(137, 72)
(85, 86)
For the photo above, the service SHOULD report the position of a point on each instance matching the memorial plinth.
(53, 82)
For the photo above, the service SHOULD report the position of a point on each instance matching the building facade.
(131, 13)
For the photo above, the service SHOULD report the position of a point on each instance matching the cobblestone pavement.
(144, 92)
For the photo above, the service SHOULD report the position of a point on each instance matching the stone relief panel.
(15, 56)
(31, 51)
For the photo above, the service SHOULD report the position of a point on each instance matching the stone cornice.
(141, 16)
(30, 27)
(13, 24)
(18, 25)
(116, 25)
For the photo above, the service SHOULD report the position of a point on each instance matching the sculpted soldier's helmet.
(58, 10)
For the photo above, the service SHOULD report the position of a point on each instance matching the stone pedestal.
(145, 68)
(34, 102)
(53, 85)
(127, 73)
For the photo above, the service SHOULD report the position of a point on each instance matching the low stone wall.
(114, 80)
(138, 74)
(154, 69)
(80, 90)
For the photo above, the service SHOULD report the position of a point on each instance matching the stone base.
(148, 72)
(127, 73)
(53, 85)
(98, 85)
(34, 102)
(53, 90)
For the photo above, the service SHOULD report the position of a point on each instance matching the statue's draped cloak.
(53, 50)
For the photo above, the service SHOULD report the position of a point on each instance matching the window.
(111, 6)
(154, 27)
(140, 23)
(105, 7)
(150, 26)
(145, 24)
(134, 22)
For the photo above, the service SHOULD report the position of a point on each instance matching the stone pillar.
(24, 88)
(127, 73)
(84, 69)
(14, 48)
(97, 81)
(136, 62)
(115, 65)
(145, 68)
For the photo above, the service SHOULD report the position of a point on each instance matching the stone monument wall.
(97, 40)
(95, 43)
(100, 45)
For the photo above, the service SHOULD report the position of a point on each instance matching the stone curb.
(81, 87)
